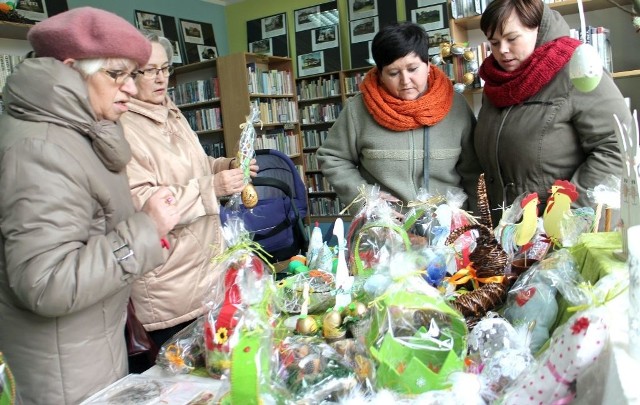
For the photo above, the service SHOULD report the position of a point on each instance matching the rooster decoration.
(515, 237)
(562, 194)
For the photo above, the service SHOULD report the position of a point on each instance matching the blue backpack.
(277, 220)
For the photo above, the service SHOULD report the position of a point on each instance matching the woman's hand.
(161, 207)
(253, 168)
(228, 182)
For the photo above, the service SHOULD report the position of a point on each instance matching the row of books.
(316, 113)
(468, 8)
(215, 149)
(284, 141)
(325, 206)
(194, 92)
(316, 182)
(313, 138)
(204, 119)
(263, 80)
(276, 110)
(598, 37)
(319, 88)
(7, 63)
(352, 83)
(311, 161)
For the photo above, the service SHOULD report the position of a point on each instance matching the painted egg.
(445, 51)
(356, 309)
(472, 66)
(249, 196)
(585, 68)
(459, 87)
(436, 59)
(306, 325)
(457, 49)
(468, 55)
(468, 78)
(331, 324)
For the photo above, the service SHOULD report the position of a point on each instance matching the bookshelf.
(351, 80)
(11, 30)
(266, 82)
(626, 65)
(195, 89)
(320, 99)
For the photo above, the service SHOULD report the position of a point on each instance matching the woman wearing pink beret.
(71, 242)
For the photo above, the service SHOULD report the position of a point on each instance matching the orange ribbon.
(469, 274)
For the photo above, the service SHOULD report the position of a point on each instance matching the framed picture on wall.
(163, 26)
(274, 26)
(324, 38)
(364, 29)
(430, 18)
(362, 8)
(262, 46)
(311, 63)
(198, 40)
(305, 18)
(35, 10)
(268, 35)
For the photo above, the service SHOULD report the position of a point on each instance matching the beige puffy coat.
(166, 152)
(65, 208)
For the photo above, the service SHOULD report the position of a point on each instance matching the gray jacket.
(65, 209)
(560, 133)
(359, 151)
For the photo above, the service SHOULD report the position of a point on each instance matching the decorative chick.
(562, 194)
(516, 237)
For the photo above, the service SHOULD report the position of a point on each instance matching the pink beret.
(87, 32)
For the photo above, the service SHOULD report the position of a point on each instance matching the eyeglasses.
(151, 73)
(120, 76)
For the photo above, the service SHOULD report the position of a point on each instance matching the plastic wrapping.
(313, 371)
(574, 347)
(531, 302)
(7, 384)
(184, 351)
(416, 338)
(238, 332)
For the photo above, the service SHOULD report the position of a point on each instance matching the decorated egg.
(356, 310)
(468, 55)
(468, 78)
(436, 59)
(585, 68)
(306, 325)
(249, 196)
(457, 49)
(331, 325)
(472, 66)
(445, 51)
(459, 87)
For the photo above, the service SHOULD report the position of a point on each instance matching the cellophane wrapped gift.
(238, 330)
(575, 346)
(313, 371)
(184, 351)
(415, 337)
(373, 234)
(321, 292)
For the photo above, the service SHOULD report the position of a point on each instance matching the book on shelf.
(194, 92)
(325, 206)
(286, 141)
(598, 37)
(7, 64)
(215, 149)
(204, 119)
(313, 138)
(321, 87)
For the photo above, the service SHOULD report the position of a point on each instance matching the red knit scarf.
(402, 115)
(510, 88)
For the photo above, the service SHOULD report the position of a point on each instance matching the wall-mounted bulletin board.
(268, 35)
(433, 16)
(164, 26)
(198, 41)
(366, 17)
(318, 39)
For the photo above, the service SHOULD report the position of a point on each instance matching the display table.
(611, 380)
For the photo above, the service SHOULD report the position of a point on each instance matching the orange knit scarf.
(402, 115)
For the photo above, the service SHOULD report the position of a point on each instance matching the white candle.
(633, 236)
(305, 300)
